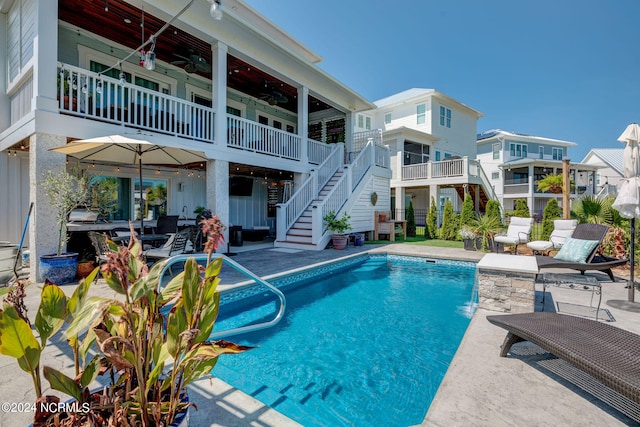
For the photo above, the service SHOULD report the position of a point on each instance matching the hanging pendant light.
(216, 10)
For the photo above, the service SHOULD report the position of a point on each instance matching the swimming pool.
(364, 343)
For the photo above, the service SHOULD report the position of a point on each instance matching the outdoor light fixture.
(99, 87)
(216, 9)
(150, 61)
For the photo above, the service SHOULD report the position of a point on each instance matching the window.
(155, 198)
(234, 111)
(496, 151)
(541, 152)
(20, 33)
(518, 150)
(263, 120)
(495, 175)
(360, 121)
(387, 119)
(368, 123)
(290, 129)
(556, 153)
(437, 156)
(445, 116)
(277, 124)
(421, 114)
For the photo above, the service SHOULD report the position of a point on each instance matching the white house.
(611, 171)
(431, 137)
(515, 163)
(273, 126)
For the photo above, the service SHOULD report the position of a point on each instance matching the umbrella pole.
(141, 199)
(632, 284)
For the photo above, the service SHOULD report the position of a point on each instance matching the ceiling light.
(216, 10)
(127, 21)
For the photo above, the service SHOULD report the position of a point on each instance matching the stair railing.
(342, 190)
(289, 212)
(488, 188)
(259, 282)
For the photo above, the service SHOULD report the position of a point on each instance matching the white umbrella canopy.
(628, 200)
(133, 149)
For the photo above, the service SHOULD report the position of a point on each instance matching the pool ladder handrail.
(243, 329)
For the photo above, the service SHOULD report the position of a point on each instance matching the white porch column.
(219, 92)
(45, 51)
(400, 203)
(349, 120)
(303, 122)
(43, 230)
(5, 112)
(218, 195)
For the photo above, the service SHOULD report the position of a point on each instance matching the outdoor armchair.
(562, 228)
(518, 232)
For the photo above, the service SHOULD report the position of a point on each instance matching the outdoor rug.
(584, 311)
(286, 250)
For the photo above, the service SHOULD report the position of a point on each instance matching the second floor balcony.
(86, 94)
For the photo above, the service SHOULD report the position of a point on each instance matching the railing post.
(281, 229)
(316, 225)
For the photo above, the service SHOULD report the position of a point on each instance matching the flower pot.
(470, 244)
(339, 241)
(8, 254)
(85, 268)
(59, 269)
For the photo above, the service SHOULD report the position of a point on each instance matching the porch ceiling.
(259, 172)
(91, 16)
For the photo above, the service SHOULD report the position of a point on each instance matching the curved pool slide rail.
(259, 282)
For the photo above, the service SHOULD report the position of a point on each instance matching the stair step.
(297, 231)
(298, 239)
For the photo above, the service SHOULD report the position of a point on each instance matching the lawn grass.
(420, 241)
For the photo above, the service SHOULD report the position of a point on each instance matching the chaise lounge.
(584, 232)
(607, 353)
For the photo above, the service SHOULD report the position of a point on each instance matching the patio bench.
(607, 353)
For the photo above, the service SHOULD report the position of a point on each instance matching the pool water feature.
(365, 343)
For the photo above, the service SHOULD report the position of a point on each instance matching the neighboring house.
(611, 171)
(431, 137)
(274, 126)
(516, 162)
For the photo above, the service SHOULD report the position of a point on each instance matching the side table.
(573, 281)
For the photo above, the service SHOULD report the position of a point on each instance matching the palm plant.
(486, 227)
(593, 210)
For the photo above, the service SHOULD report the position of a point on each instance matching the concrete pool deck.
(479, 389)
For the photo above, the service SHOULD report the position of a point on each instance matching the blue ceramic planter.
(59, 269)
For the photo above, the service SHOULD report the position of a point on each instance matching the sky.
(562, 69)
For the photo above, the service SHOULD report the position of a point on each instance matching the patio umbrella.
(628, 200)
(136, 149)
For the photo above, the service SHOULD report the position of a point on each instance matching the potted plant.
(469, 238)
(85, 264)
(151, 341)
(66, 191)
(486, 227)
(63, 83)
(339, 227)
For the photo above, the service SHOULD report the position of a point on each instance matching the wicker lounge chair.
(607, 353)
(593, 261)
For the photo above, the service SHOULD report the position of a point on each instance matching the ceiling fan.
(192, 63)
(274, 98)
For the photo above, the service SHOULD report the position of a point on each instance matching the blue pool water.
(364, 345)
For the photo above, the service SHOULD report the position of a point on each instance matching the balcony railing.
(443, 169)
(91, 95)
(252, 136)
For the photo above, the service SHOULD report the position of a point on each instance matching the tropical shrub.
(486, 227)
(411, 221)
(522, 209)
(468, 213)
(551, 212)
(493, 210)
(431, 230)
(450, 222)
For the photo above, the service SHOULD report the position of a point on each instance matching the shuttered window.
(21, 32)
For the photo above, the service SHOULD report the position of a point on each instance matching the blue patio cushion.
(576, 250)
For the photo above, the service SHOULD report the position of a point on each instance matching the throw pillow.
(576, 250)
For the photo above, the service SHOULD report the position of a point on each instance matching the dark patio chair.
(166, 224)
(594, 260)
(99, 242)
(176, 245)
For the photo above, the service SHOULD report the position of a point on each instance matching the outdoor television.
(240, 186)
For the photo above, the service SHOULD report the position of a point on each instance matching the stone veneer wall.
(506, 291)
